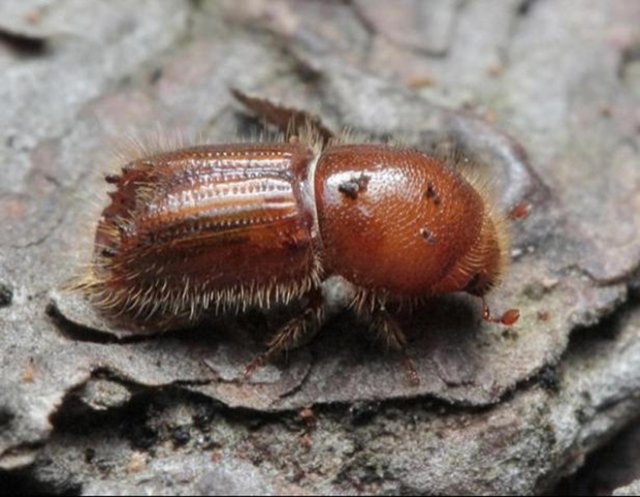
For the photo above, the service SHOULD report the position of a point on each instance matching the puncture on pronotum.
(220, 228)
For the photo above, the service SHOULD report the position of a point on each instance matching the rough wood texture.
(85, 409)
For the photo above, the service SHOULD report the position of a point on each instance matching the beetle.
(221, 228)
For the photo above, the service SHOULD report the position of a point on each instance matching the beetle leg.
(291, 121)
(294, 332)
(508, 318)
(391, 332)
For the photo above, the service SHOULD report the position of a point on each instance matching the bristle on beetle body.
(221, 228)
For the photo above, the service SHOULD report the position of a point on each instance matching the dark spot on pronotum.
(428, 235)
(349, 188)
(355, 185)
(6, 295)
(112, 179)
(432, 194)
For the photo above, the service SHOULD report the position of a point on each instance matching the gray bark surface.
(543, 97)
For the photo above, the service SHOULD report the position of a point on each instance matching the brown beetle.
(225, 227)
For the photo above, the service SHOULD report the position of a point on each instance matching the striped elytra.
(210, 225)
(220, 228)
